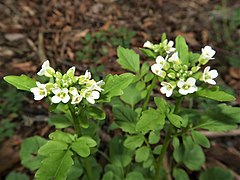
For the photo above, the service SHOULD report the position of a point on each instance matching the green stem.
(166, 142)
(77, 127)
(149, 93)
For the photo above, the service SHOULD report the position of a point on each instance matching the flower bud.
(176, 67)
(171, 75)
(195, 69)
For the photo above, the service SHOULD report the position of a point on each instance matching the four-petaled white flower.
(208, 75)
(46, 70)
(188, 86)
(60, 95)
(161, 61)
(91, 96)
(208, 53)
(76, 99)
(168, 46)
(148, 44)
(39, 92)
(167, 88)
(157, 69)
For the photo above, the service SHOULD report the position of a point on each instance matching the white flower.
(61, 95)
(208, 75)
(207, 53)
(161, 61)
(76, 99)
(148, 44)
(91, 96)
(174, 58)
(188, 86)
(157, 69)
(73, 91)
(168, 46)
(167, 88)
(46, 70)
(71, 71)
(97, 86)
(40, 91)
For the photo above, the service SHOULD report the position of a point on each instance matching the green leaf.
(142, 154)
(175, 120)
(128, 59)
(134, 176)
(75, 171)
(150, 120)
(55, 166)
(131, 95)
(17, 176)
(62, 136)
(161, 104)
(29, 149)
(108, 176)
(60, 121)
(182, 49)
(51, 147)
(180, 174)
(148, 53)
(200, 139)
(144, 69)
(193, 154)
(22, 82)
(216, 173)
(215, 95)
(81, 149)
(119, 155)
(154, 137)
(114, 85)
(87, 140)
(134, 141)
(96, 113)
(125, 118)
(230, 112)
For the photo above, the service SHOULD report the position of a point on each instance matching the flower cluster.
(67, 87)
(174, 74)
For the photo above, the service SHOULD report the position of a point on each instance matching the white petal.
(206, 70)
(169, 93)
(211, 81)
(34, 90)
(213, 73)
(38, 97)
(56, 90)
(191, 81)
(192, 89)
(95, 94)
(66, 98)
(90, 100)
(183, 92)
(160, 60)
(56, 99)
(45, 64)
(87, 75)
(170, 43)
(147, 44)
(41, 72)
(65, 90)
(156, 69)
(180, 83)
(163, 90)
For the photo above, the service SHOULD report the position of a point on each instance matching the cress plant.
(151, 130)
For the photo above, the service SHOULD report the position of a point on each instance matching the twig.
(41, 51)
(235, 132)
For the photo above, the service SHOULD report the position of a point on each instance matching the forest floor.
(86, 34)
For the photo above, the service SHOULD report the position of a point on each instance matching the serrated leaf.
(22, 82)
(55, 166)
(142, 154)
(215, 95)
(114, 85)
(128, 59)
(52, 146)
(29, 147)
(150, 120)
(200, 139)
(182, 49)
(134, 141)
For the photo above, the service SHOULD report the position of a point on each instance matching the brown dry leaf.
(14, 36)
(80, 34)
(24, 67)
(6, 52)
(190, 37)
(106, 26)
